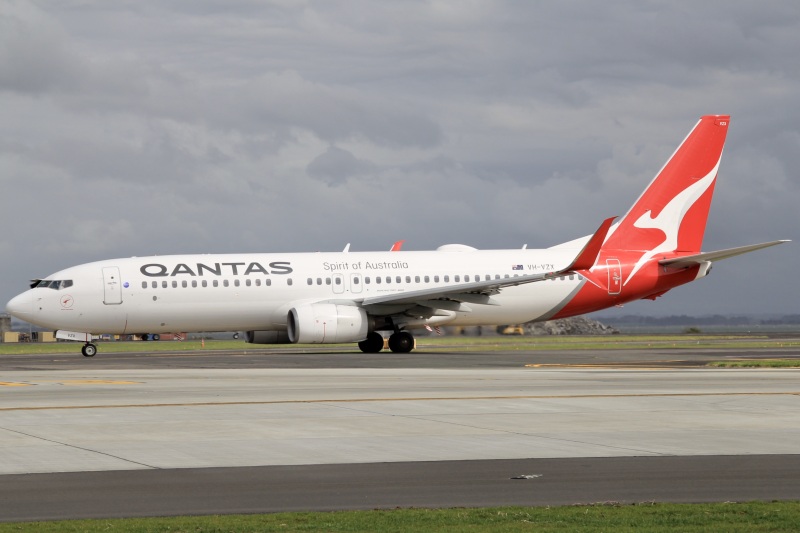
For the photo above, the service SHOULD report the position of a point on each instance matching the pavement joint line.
(413, 399)
(79, 448)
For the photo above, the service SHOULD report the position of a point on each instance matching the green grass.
(435, 343)
(689, 518)
(757, 363)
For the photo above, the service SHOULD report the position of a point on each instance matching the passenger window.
(268, 282)
(466, 278)
(319, 281)
(388, 279)
(154, 285)
(215, 283)
(310, 281)
(378, 280)
(174, 284)
(163, 284)
(204, 283)
(184, 284)
(398, 279)
(338, 281)
(194, 283)
(289, 281)
(247, 282)
(258, 282)
(427, 279)
(416, 279)
(446, 279)
(436, 279)
(144, 284)
(236, 283)
(408, 279)
(327, 281)
(225, 283)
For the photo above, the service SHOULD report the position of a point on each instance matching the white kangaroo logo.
(670, 218)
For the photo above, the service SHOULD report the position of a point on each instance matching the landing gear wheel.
(89, 350)
(372, 344)
(156, 337)
(401, 342)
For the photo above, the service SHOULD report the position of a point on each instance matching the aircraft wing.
(452, 297)
(692, 260)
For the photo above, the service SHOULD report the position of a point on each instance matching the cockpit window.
(54, 284)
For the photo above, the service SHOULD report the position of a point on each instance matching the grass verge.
(729, 517)
(433, 344)
(757, 363)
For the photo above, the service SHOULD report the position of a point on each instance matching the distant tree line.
(707, 320)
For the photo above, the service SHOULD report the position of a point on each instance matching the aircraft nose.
(20, 306)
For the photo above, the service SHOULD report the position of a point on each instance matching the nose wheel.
(89, 350)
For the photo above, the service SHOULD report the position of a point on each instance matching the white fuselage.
(255, 291)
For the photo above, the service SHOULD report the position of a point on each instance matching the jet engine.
(327, 324)
(266, 337)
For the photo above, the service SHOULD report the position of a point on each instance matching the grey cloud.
(169, 127)
(335, 166)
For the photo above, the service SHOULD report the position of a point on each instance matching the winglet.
(588, 256)
(396, 246)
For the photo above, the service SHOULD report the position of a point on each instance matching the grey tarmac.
(266, 489)
(273, 430)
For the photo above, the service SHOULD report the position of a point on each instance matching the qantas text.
(156, 270)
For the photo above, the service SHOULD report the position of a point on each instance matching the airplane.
(356, 297)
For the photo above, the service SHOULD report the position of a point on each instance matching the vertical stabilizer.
(670, 216)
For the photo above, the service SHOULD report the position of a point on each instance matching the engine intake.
(327, 324)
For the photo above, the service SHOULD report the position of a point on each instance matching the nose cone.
(21, 306)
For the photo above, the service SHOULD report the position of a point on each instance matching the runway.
(163, 434)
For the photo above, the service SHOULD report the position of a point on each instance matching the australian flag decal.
(516, 267)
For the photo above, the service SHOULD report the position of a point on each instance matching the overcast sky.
(158, 127)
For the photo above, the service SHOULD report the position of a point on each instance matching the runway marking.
(98, 382)
(417, 399)
(71, 382)
(614, 366)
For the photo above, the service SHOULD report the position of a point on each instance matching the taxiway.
(163, 434)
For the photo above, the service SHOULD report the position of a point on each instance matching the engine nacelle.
(266, 337)
(327, 324)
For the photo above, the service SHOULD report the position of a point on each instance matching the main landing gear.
(89, 350)
(399, 342)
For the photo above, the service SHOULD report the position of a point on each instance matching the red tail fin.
(671, 213)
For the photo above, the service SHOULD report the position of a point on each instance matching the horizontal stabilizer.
(692, 260)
